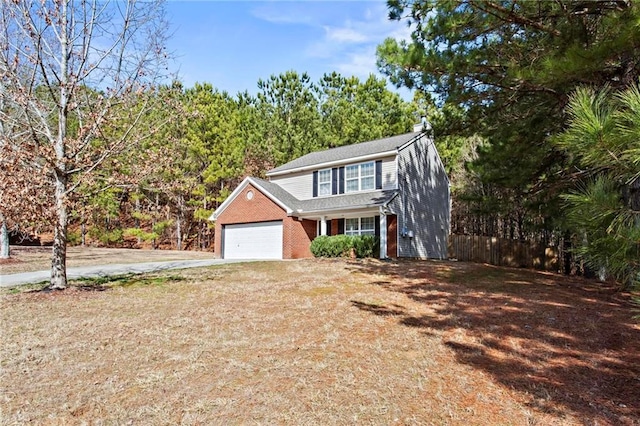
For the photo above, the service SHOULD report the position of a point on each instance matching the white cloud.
(359, 63)
(351, 43)
(277, 18)
(345, 35)
(349, 35)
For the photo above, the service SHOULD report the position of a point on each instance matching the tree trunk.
(83, 228)
(5, 252)
(178, 233)
(59, 253)
(203, 227)
(137, 222)
(153, 221)
(179, 219)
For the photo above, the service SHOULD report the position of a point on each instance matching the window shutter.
(315, 184)
(340, 226)
(377, 225)
(329, 227)
(334, 181)
(379, 174)
(341, 181)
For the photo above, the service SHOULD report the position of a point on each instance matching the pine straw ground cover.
(323, 342)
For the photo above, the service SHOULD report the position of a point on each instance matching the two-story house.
(395, 188)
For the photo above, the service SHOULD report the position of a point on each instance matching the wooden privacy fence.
(503, 252)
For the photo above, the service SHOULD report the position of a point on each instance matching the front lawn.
(323, 342)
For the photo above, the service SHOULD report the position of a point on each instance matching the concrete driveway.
(13, 280)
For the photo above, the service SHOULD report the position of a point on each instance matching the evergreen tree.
(511, 67)
(604, 210)
(291, 114)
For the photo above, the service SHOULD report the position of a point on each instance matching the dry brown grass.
(28, 259)
(323, 342)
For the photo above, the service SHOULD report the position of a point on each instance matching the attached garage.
(259, 240)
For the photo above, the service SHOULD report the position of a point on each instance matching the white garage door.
(253, 241)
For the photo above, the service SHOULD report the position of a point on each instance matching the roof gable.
(281, 197)
(345, 153)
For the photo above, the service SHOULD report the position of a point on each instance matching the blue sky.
(232, 44)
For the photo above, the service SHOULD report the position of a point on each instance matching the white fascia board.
(327, 164)
(339, 211)
(248, 180)
(357, 211)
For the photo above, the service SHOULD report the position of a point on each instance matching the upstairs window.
(360, 226)
(360, 177)
(324, 182)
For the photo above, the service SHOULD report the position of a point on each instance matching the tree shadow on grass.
(567, 343)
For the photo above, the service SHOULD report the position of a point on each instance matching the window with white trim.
(324, 182)
(360, 226)
(360, 177)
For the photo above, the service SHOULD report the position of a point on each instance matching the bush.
(74, 238)
(341, 246)
(366, 246)
(139, 233)
(106, 237)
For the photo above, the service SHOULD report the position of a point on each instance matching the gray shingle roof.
(346, 152)
(277, 191)
(336, 202)
(347, 201)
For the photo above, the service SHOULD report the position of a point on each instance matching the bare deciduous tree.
(77, 78)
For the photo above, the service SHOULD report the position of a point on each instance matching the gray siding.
(300, 184)
(423, 204)
(389, 175)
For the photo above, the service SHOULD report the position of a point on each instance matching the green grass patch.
(127, 280)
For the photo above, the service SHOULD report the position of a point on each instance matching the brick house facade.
(394, 188)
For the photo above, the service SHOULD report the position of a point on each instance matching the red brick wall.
(296, 238)
(392, 236)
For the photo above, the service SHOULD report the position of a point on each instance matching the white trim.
(359, 231)
(360, 177)
(335, 211)
(343, 213)
(330, 182)
(319, 166)
(248, 180)
(383, 234)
